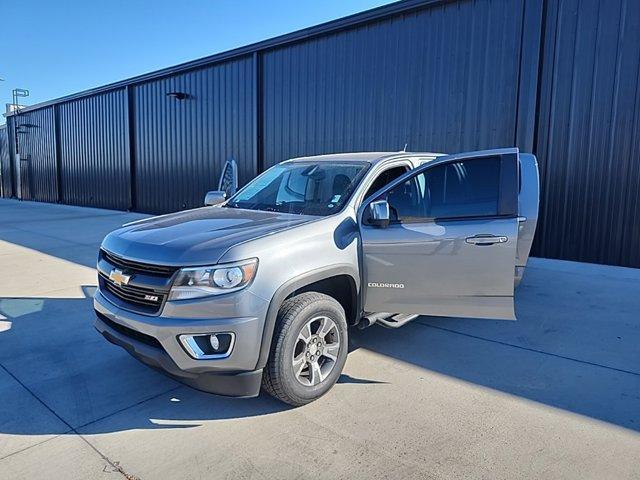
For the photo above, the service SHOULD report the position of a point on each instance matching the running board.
(370, 319)
(386, 319)
(397, 320)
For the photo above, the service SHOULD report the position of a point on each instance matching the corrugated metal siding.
(5, 169)
(441, 79)
(589, 132)
(560, 77)
(15, 186)
(94, 151)
(36, 145)
(182, 145)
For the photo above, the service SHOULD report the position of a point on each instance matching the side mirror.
(215, 197)
(379, 213)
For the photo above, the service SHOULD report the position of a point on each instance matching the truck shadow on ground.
(53, 361)
(94, 387)
(574, 346)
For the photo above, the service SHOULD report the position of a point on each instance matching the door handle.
(482, 240)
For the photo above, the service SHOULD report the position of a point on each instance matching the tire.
(280, 378)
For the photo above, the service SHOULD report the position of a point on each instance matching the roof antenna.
(404, 150)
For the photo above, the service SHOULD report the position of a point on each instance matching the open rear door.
(450, 246)
(228, 182)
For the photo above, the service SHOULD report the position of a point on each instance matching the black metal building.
(6, 189)
(555, 77)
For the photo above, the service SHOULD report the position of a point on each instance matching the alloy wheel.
(316, 351)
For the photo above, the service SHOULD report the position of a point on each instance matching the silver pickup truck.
(258, 288)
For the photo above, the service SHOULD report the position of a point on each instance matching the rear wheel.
(309, 349)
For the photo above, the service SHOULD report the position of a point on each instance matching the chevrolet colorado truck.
(258, 288)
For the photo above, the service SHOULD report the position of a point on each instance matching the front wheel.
(309, 349)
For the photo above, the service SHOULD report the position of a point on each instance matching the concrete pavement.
(554, 395)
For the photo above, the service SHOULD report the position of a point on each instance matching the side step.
(386, 319)
(371, 318)
(397, 320)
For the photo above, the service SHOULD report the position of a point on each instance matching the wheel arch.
(316, 280)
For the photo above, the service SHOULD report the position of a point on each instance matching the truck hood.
(195, 237)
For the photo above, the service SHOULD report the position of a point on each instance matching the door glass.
(385, 178)
(228, 179)
(468, 188)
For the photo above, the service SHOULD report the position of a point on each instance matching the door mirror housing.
(379, 213)
(215, 197)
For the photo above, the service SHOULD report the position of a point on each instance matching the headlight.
(204, 281)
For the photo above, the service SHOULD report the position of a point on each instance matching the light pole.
(15, 173)
(17, 93)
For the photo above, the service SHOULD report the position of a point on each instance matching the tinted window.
(385, 178)
(459, 189)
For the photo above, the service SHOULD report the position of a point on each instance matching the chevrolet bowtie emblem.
(119, 278)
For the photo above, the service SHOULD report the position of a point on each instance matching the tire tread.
(272, 381)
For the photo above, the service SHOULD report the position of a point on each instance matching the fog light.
(206, 346)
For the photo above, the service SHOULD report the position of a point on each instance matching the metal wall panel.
(6, 190)
(94, 152)
(182, 145)
(588, 140)
(14, 168)
(560, 77)
(36, 146)
(444, 78)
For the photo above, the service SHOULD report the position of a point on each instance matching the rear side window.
(468, 188)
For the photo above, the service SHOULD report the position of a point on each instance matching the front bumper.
(154, 341)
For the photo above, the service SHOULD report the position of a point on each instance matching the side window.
(467, 188)
(385, 178)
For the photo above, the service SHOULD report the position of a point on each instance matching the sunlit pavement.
(554, 395)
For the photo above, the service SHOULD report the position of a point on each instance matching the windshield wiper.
(230, 205)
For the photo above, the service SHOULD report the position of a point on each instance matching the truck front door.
(450, 245)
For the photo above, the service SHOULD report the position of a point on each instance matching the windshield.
(306, 188)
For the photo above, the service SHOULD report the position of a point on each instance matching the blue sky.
(54, 48)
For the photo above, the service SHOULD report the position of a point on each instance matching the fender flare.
(287, 289)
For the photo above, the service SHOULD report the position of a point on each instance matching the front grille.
(146, 299)
(129, 332)
(138, 267)
(147, 290)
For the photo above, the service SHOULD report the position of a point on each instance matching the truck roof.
(370, 157)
